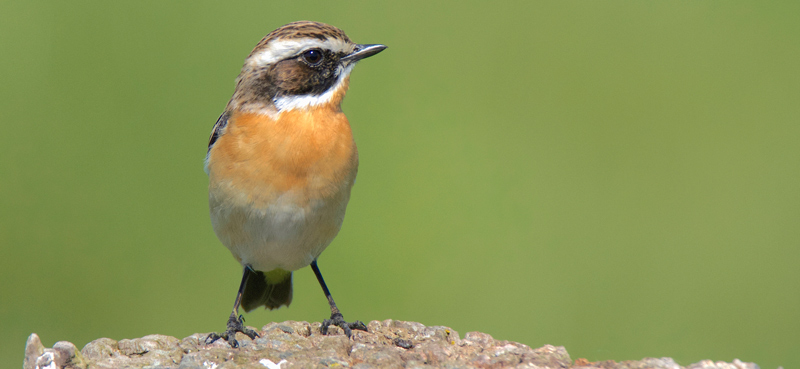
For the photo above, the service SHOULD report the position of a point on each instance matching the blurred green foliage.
(621, 178)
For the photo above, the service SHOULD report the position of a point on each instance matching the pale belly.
(287, 233)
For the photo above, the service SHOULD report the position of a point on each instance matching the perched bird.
(281, 162)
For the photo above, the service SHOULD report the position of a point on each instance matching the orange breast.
(310, 153)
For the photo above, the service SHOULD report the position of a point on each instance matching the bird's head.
(300, 65)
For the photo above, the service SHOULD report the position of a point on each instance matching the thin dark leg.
(235, 321)
(336, 317)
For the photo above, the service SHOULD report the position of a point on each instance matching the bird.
(281, 163)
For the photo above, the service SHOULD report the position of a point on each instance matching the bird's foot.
(235, 324)
(338, 320)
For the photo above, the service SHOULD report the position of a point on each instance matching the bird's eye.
(313, 56)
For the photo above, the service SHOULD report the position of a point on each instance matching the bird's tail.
(271, 289)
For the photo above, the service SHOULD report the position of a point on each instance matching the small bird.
(281, 162)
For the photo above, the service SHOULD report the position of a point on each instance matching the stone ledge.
(387, 344)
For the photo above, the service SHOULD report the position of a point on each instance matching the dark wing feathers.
(218, 129)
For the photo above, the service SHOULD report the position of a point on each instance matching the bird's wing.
(218, 130)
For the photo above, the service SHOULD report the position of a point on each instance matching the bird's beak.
(363, 51)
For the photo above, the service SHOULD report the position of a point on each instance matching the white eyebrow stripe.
(282, 49)
(287, 103)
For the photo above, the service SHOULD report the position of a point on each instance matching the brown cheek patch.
(292, 76)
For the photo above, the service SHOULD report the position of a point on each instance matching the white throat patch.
(287, 103)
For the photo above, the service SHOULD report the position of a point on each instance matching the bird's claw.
(234, 325)
(338, 320)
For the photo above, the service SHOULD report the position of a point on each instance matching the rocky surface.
(387, 344)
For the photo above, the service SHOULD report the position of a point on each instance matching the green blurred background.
(621, 178)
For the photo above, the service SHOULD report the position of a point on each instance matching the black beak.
(363, 51)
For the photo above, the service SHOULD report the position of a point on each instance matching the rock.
(68, 355)
(386, 344)
(63, 355)
(99, 349)
(33, 349)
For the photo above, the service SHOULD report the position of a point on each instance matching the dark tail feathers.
(271, 290)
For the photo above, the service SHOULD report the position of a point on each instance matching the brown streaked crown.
(299, 30)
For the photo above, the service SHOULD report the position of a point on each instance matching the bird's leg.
(336, 317)
(235, 321)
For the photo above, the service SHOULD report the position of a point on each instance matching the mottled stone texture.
(387, 344)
